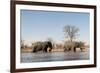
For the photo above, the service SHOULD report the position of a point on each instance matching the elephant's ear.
(46, 43)
(49, 42)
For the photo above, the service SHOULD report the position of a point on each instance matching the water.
(53, 56)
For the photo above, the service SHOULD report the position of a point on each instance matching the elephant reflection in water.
(42, 46)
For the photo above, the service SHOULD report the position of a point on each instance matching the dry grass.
(26, 50)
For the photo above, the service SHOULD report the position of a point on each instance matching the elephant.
(80, 45)
(73, 46)
(42, 46)
(81, 48)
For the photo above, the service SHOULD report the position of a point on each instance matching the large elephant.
(42, 46)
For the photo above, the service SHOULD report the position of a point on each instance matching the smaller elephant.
(42, 46)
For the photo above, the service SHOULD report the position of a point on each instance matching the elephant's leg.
(69, 49)
(45, 49)
(34, 50)
(74, 49)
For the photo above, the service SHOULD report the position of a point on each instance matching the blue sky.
(40, 25)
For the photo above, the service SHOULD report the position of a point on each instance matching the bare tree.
(71, 32)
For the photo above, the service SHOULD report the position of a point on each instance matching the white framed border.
(59, 63)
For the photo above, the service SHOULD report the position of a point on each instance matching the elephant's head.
(49, 44)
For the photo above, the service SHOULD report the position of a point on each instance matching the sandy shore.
(26, 50)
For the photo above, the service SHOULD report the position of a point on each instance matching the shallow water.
(53, 56)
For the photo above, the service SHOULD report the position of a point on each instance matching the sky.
(41, 25)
